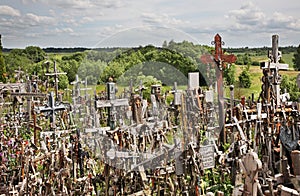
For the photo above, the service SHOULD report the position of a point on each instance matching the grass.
(256, 75)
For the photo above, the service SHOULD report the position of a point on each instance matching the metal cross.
(51, 108)
(220, 59)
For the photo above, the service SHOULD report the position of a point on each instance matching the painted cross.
(51, 108)
(220, 59)
(55, 74)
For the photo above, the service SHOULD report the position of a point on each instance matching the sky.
(130, 23)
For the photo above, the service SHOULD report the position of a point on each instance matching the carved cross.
(250, 165)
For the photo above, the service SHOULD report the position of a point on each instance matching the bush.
(245, 78)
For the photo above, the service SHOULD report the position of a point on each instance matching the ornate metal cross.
(220, 59)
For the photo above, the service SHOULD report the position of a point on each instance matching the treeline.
(172, 60)
(167, 64)
(261, 50)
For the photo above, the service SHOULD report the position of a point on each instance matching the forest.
(150, 64)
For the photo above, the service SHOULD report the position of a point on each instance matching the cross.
(29, 96)
(76, 84)
(111, 103)
(251, 165)
(85, 89)
(18, 74)
(51, 108)
(35, 129)
(55, 74)
(220, 59)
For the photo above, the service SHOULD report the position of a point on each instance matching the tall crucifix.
(219, 59)
(55, 74)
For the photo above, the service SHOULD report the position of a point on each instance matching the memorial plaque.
(207, 156)
(193, 80)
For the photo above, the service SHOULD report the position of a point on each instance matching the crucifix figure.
(219, 59)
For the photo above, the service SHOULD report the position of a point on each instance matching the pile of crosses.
(263, 156)
(127, 145)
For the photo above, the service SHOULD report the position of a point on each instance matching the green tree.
(2, 65)
(289, 85)
(229, 75)
(91, 70)
(34, 53)
(245, 78)
(296, 59)
(70, 66)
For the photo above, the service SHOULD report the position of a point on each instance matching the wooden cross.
(111, 103)
(55, 74)
(29, 96)
(35, 129)
(251, 165)
(18, 74)
(220, 59)
(76, 83)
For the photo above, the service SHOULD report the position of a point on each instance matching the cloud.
(282, 21)
(35, 20)
(248, 14)
(162, 20)
(81, 4)
(9, 11)
(64, 30)
(249, 18)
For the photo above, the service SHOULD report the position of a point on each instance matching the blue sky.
(107, 23)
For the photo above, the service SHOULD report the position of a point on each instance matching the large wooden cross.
(219, 60)
(55, 74)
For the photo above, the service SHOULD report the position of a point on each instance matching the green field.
(256, 75)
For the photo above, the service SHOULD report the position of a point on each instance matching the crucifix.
(55, 74)
(218, 61)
